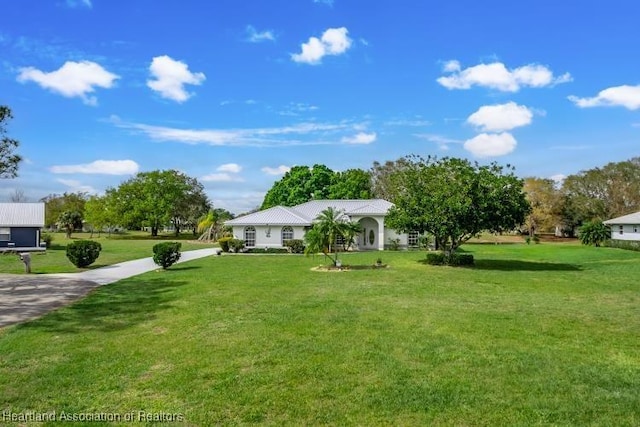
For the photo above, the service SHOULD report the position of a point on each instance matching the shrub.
(83, 253)
(594, 233)
(455, 259)
(236, 245)
(296, 246)
(267, 251)
(394, 244)
(166, 254)
(47, 238)
(629, 245)
(224, 243)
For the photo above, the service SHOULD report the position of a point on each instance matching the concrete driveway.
(24, 297)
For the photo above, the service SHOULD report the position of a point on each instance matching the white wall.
(629, 232)
(268, 236)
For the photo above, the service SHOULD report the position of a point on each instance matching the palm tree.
(329, 225)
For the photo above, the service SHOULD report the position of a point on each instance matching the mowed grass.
(533, 335)
(115, 249)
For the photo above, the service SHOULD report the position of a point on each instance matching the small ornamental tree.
(166, 254)
(83, 253)
(594, 233)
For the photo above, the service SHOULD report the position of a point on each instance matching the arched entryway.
(368, 238)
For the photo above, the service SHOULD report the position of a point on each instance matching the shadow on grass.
(517, 265)
(112, 308)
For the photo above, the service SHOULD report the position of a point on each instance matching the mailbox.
(26, 258)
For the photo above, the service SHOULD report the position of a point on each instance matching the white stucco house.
(625, 227)
(271, 227)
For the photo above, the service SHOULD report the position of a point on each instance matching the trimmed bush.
(629, 245)
(236, 245)
(295, 246)
(224, 243)
(267, 251)
(83, 253)
(454, 260)
(166, 254)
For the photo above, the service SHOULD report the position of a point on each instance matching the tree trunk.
(154, 231)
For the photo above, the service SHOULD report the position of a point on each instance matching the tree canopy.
(303, 183)
(545, 199)
(455, 200)
(154, 199)
(56, 204)
(9, 161)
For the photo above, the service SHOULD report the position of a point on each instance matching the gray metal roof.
(305, 213)
(21, 214)
(633, 218)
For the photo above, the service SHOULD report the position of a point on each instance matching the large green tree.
(303, 183)
(56, 204)
(70, 221)
(544, 198)
(382, 184)
(455, 200)
(158, 198)
(601, 193)
(9, 161)
(100, 213)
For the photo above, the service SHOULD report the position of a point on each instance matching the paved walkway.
(24, 297)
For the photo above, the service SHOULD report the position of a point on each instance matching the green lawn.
(533, 335)
(117, 248)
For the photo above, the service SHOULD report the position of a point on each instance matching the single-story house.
(271, 227)
(625, 227)
(20, 225)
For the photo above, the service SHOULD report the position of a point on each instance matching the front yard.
(540, 334)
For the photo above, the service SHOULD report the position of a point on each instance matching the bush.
(594, 233)
(166, 254)
(47, 238)
(236, 245)
(295, 246)
(224, 243)
(83, 253)
(394, 244)
(629, 245)
(267, 251)
(454, 259)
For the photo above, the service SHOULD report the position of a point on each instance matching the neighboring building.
(271, 227)
(20, 225)
(625, 227)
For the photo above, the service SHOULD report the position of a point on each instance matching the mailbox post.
(26, 258)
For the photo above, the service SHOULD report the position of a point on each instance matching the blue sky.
(235, 92)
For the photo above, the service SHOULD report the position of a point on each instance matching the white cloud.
(73, 79)
(294, 135)
(327, 2)
(255, 36)
(558, 178)
(501, 117)
(170, 77)
(497, 76)
(442, 141)
(230, 167)
(360, 138)
(624, 96)
(76, 3)
(280, 170)
(77, 186)
(104, 167)
(220, 177)
(334, 41)
(491, 144)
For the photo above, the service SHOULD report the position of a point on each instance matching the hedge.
(454, 259)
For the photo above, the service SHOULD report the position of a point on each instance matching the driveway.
(24, 297)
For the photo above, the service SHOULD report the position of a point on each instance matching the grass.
(533, 335)
(115, 249)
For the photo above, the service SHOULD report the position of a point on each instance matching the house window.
(635, 228)
(372, 237)
(339, 240)
(413, 239)
(250, 237)
(287, 234)
(5, 234)
(621, 228)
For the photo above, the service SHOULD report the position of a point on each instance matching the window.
(339, 240)
(413, 239)
(5, 234)
(250, 237)
(372, 237)
(635, 228)
(621, 228)
(287, 234)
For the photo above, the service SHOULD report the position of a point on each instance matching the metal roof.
(21, 214)
(305, 213)
(633, 218)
